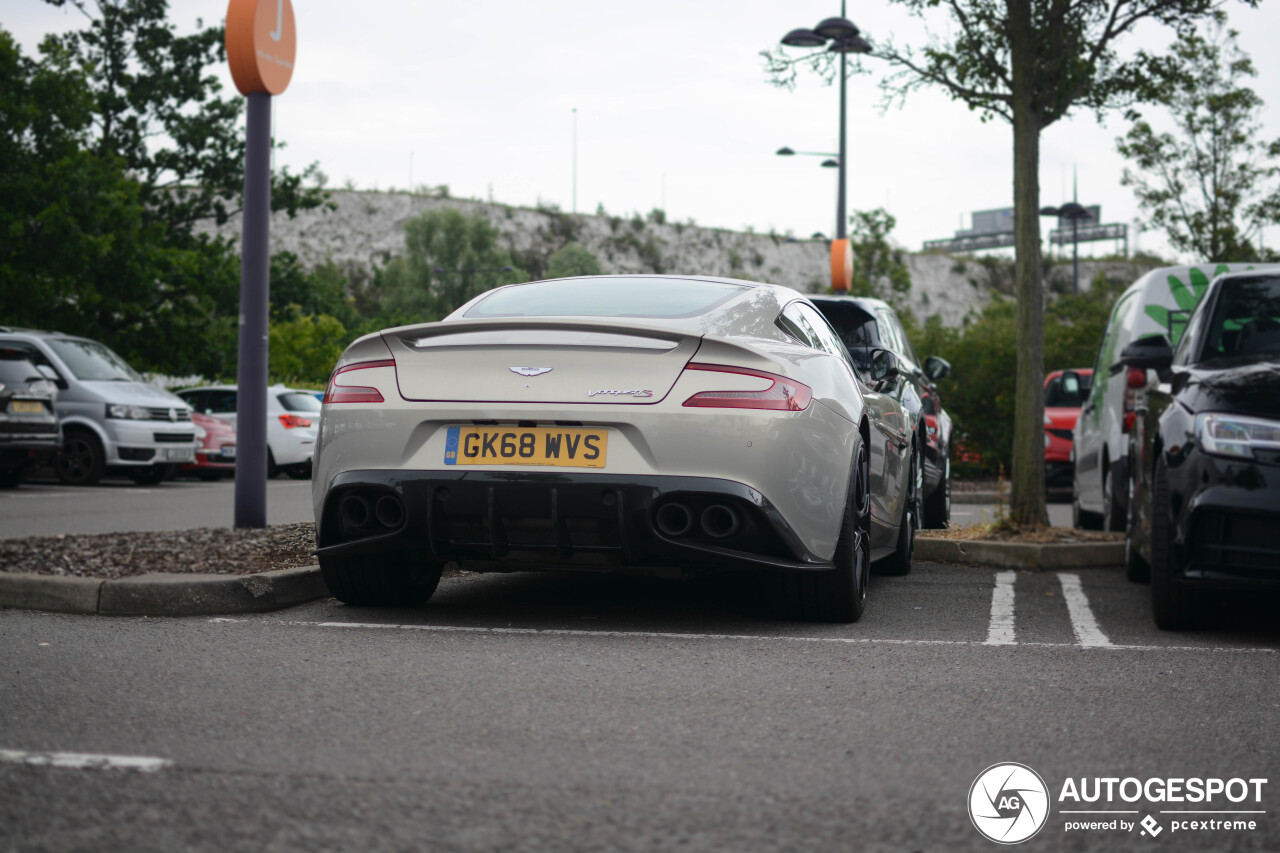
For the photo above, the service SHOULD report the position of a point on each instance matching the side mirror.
(884, 365)
(936, 368)
(1071, 387)
(1150, 353)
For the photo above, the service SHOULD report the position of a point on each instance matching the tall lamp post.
(1072, 212)
(838, 35)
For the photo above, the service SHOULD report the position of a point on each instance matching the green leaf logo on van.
(1185, 295)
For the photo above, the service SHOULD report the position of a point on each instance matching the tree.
(449, 258)
(572, 259)
(878, 268)
(1211, 185)
(1028, 62)
(124, 151)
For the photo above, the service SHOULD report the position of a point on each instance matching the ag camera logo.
(1008, 803)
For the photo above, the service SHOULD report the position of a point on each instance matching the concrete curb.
(1020, 555)
(978, 497)
(163, 594)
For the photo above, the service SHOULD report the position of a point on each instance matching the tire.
(1114, 517)
(301, 471)
(1080, 519)
(1136, 568)
(152, 475)
(899, 563)
(839, 595)
(273, 470)
(381, 580)
(82, 460)
(1171, 603)
(937, 506)
(10, 478)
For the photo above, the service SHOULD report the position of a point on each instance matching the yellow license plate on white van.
(566, 447)
(25, 407)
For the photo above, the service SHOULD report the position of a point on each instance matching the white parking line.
(758, 638)
(1082, 621)
(84, 761)
(1000, 631)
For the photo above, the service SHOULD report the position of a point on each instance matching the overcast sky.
(673, 110)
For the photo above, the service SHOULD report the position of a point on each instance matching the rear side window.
(656, 298)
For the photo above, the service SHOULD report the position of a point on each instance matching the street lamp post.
(838, 35)
(1072, 212)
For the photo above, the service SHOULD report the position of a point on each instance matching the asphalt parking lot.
(45, 507)
(553, 712)
(567, 712)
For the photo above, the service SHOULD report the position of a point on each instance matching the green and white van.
(1158, 303)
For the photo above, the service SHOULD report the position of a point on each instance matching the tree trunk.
(1028, 502)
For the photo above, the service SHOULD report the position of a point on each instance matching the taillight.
(1135, 382)
(292, 421)
(339, 393)
(783, 394)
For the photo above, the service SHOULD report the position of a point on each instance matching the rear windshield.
(16, 370)
(90, 360)
(606, 297)
(299, 401)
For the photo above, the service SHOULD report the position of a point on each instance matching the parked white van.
(1159, 303)
(111, 418)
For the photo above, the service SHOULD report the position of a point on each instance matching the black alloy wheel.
(82, 461)
(899, 563)
(937, 506)
(1171, 602)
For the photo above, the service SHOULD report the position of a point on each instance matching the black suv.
(29, 432)
(1204, 453)
(864, 325)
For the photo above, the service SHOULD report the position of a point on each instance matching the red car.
(216, 455)
(1064, 393)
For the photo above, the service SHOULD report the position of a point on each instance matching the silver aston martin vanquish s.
(659, 424)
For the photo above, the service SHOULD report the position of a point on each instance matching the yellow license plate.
(569, 447)
(25, 407)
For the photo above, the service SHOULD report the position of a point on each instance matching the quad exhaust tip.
(720, 521)
(364, 513)
(356, 511)
(674, 519)
(717, 521)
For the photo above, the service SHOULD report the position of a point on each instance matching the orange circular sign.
(261, 44)
(841, 265)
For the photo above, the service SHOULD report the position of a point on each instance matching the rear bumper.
(504, 520)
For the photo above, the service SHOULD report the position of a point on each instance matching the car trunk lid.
(539, 361)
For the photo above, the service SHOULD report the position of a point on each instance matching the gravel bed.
(205, 550)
